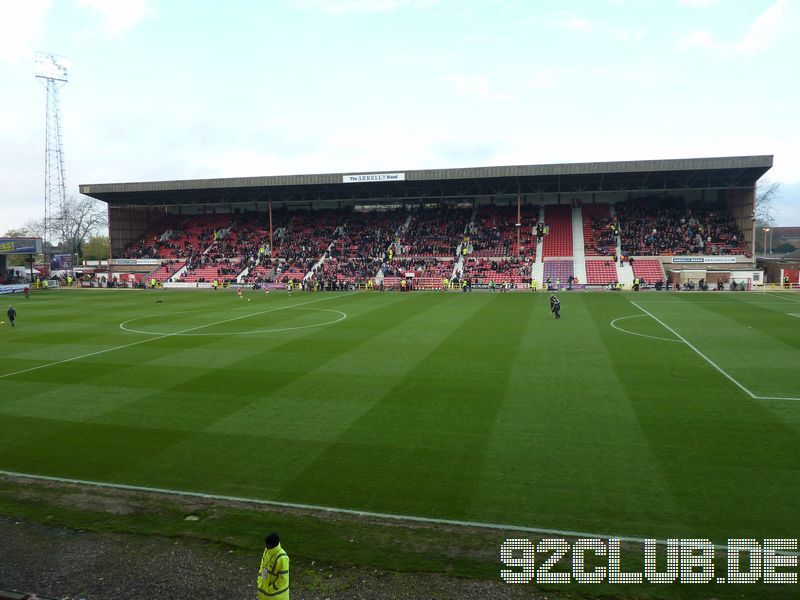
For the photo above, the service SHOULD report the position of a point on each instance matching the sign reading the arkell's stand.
(373, 177)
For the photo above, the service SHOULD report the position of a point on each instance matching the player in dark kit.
(12, 316)
(555, 306)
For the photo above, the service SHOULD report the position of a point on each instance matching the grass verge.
(343, 540)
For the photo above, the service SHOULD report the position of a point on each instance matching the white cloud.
(630, 35)
(770, 26)
(21, 26)
(699, 3)
(362, 6)
(570, 21)
(641, 75)
(700, 39)
(547, 77)
(476, 86)
(578, 24)
(118, 16)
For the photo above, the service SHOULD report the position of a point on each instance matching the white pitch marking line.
(160, 337)
(653, 337)
(342, 317)
(343, 511)
(709, 361)
(728, 302)
(772, 295)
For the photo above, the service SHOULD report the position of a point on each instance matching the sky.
(180, 89)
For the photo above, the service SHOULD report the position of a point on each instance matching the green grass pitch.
(476, 407)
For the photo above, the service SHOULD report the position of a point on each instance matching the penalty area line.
(335, 510)
(709, 361)
(160, 337)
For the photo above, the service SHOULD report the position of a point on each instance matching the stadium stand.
(601, 271)
(558, 270)
(350, 270)
(434, 233)
(148, 245)
(494, 234)
(294, 270)
(428, 272)
(353, 246)
(264, 272)
(391, 283)
(360, 249)
(508, 270)
(367, 234)
(648, 269)
(652, 226)
(167, 269)
(193, 236)
(308, 234)
(428, 245)
(599, 230)
(558, 242)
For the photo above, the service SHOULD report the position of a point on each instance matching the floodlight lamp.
(50, 66)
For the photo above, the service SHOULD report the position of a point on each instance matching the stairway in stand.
(537, 270)
(624, 272)
(578, 250)
(558, 244)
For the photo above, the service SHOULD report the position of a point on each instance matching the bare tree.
(35, 228)
(79, 219)
(18, 232)
(766, 193)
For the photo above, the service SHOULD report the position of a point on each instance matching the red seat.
(601, 271)
(559, 241)
(648, 269)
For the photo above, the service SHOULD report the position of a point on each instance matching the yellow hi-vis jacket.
(273, 577)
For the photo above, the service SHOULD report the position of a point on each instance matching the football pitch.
(639, 415)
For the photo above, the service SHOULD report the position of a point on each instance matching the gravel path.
(73, 565)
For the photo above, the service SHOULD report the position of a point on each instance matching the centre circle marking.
(652, 337)
(124, 325)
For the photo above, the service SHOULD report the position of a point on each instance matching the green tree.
(78, 220)
(96, 248)
(783, 248)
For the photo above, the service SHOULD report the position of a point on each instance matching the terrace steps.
(578, 249)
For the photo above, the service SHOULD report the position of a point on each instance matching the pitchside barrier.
(14, 288)
(46, 283)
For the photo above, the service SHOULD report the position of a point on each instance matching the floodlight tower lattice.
(51, 71)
